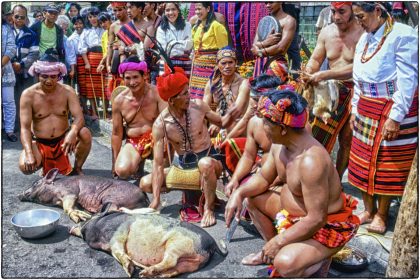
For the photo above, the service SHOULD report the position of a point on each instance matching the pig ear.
(49, 178)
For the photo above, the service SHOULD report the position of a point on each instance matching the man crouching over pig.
(312, 216)
(46, 136)
(184, 125)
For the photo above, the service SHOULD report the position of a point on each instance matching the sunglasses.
(52, 77)
(19, 17)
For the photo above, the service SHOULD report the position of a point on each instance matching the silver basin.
(35, 223)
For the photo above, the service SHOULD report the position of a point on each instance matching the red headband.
(171, 84)
(339, 5)
(118, 4)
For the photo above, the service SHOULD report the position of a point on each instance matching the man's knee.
(146, 183)
(285, 264)
(85, 136)
(207, 166)
(123, 171)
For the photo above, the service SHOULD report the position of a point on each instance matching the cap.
(52, 8)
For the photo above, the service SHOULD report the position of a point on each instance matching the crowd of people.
(173, 94)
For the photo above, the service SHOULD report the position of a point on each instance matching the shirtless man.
(275, 45)
(138, 106)
(46, 136)
(120, 12)
(310, 197)
(255, 139)
(227, 92)
(337, 43)
(184, 123)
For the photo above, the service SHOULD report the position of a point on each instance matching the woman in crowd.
(174, 34)
(72, 10)
(385, 110)
(208, 37)
(91, 50)
(70, 53)
(8, 80)
(73, 43)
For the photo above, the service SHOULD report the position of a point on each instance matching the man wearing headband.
(226, 92)
(138, 105)
(184, 123)
(336, 42)
(313, 219)
(46, 136)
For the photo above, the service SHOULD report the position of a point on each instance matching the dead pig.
(88, 192)
(161, 246)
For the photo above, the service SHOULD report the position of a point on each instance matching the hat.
(171, 84)
(339, 5)
(52, 8)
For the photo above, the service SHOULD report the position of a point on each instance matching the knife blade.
(234, 225)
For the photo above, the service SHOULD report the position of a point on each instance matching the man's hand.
(254, 50)
(231, 187)
(233, 207)
(270, 250)
(214, 130)
(391, 130)
(234, 112)
(30, 163)
(87, 67)
(272, 39)
(70, 141)
(71, 74)
(154, 204)
(16, 67)
(100, 68)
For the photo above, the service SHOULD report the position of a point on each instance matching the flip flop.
(190, 214)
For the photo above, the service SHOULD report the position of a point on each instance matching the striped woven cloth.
(377, 166)
(203, 66)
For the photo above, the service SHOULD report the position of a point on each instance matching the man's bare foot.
(253, 259)
(208, 219)
(378, 224)
(365, 217)
(76, 171)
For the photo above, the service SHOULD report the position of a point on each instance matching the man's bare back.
(138, 112)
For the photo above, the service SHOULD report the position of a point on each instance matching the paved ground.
(63, 256)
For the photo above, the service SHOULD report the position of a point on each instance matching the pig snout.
(24, 196)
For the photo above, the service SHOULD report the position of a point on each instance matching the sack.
(183, 179)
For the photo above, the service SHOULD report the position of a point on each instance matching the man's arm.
(240, 105)
(117, 131)
(25, 131)
(246, 162)
(241, 125)
(208, 98)
(210, 115)
(318, 55)
(161, 103)
(288, 33)
(158, 174)
(111, 39)
(70, 141)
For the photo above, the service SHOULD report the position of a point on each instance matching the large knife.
(234, 224)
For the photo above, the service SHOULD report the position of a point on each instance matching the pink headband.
(47, 68)
(277, 114)
(132, 66)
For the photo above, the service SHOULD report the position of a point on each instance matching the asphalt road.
(61, 255)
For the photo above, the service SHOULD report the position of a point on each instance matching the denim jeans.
(9, 108)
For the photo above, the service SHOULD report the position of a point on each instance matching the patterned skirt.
(274, 65)
(182, 61)
(377, 166)
(202, 68)
(91, 84)
(327, 133)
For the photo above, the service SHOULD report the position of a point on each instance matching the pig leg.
(176, 247)
(117, 245)
(68, 202)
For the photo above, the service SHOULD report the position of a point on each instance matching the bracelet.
(266, 53)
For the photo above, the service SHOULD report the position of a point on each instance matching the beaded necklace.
(388, 28)
(184, 132)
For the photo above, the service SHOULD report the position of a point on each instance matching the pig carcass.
(88, 192)
(160, 246)
(323, 98)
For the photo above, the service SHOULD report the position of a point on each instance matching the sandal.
(189, 213)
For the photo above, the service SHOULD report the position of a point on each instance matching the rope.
(94, 94)
(377, 237)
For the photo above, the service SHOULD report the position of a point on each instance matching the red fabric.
(234, 148)
(53, 156)
(339, 5)
(142, 144)
(118, 4)
(171, 84)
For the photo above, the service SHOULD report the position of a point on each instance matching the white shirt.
(90, 37)
(397, 61)
(172, 35)
(72, 45)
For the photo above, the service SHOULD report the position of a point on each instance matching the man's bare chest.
(340, 49)
(44, 106)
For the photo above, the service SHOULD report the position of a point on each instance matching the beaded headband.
(226, 53)
(276, 112)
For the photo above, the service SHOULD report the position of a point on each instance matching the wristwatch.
(260, 53)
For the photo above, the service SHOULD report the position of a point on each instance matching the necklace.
(225, 98)
(184, 132)
(388, 28)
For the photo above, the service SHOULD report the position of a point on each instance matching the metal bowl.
(35, 223)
